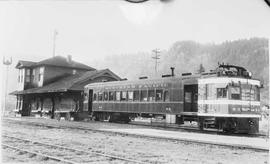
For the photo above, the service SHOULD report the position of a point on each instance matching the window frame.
(144, 99)
(123, 98)
(118, 96)
(138, 97)
(231, 95)
(113, 96)
(95, 96)
(105, 96)
(151, 97)
(161, 98)
(128, 95)
(164, 96)
(100, 94)
(222, 95)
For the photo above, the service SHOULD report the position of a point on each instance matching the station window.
(33, 74)
(111, 96)
(100, 96)
(144, 95)
(106, 97)
(124, 96)
(166, 96)
(118, 95)
(221, 92)
(130, 95)
(235, 93)
(41, 72)
(159, 94)
(136, 96)
(151, 95)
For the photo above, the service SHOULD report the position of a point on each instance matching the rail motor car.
(227, 99)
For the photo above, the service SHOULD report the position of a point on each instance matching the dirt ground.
(143, 149)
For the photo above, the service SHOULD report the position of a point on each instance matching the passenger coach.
(227, 99)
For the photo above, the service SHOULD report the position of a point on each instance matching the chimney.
(69, 58)
(172, 68)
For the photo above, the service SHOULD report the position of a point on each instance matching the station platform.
(258, 143)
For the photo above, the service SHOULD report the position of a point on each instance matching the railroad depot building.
(55, 84)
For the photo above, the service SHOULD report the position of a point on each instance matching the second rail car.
(226, 99)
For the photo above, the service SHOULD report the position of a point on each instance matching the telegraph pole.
(156, 57)
(7, 63)
(54, 41)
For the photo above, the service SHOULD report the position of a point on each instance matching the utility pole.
(7, 63)
(54, 41)
(156, 57)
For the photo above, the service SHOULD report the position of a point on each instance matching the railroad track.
(61, 153)
(77, 127)
(162, 127)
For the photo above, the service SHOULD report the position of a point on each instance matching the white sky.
(90, 30)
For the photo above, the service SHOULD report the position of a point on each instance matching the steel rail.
(77, 150)
(33, 123)
(39, 154)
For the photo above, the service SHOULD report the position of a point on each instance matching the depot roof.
(69, 83)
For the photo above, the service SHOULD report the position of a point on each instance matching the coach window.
(130, 95)
(252, 94)
(246, 94)
(151, 95)
(257, 93)
(100, 96)
(235, 93)
(136, 96)
(159, 95)
(166, 96)
(221, 92)
(111, 96)
(124, 96)
(144, 95)
(85, 96)
(106, 97)
(95, 97)
(118, 95)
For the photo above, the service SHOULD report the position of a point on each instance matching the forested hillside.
(186, 56)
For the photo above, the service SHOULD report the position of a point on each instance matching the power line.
(156, 57)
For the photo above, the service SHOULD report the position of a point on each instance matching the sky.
(90, 30)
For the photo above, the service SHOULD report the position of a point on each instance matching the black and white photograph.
(134, 81)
